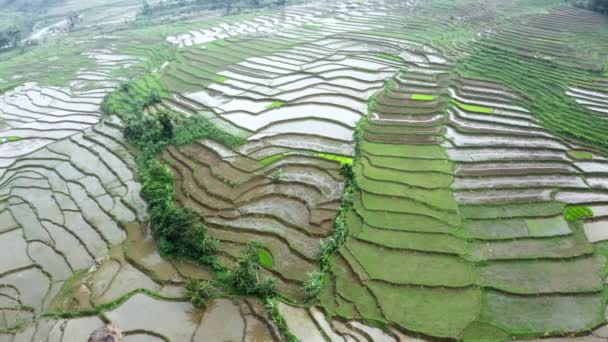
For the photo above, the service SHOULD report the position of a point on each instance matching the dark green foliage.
(243, 278)
(277, 176)
(131, 98)
(199, 292)
(346, 170)
(165, 122)
(179, 230)
(312, 286)
(10, 37)
(600, 6)
(196, 127)
(340, 231)
(146, 133)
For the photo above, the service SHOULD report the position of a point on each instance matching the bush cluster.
(243, 278)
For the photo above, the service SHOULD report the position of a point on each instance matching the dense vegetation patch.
(390, 57)
(472, 108)
(423, 97)
(179, 231)
(576, 213)
(275, 104)
(334, 157)
(580, 155)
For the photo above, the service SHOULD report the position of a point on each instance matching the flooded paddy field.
(408, 170)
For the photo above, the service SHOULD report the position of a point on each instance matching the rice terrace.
(296, 170)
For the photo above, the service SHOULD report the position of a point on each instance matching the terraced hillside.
(435, 169)
(464, 194)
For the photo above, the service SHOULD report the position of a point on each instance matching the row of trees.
(10, 37)
(168, 5)
(600, 6)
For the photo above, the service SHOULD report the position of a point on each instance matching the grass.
(576, 213)
(423, 97)
(275, 104)
(473, 108)
(67, 289)
(580, 155)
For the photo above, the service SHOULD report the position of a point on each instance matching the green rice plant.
(271, 159)
(423, 97)
(575, 213)
(390, 57)
(334, 157)
(580, 155)
(473, 108)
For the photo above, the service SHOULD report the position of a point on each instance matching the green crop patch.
(423, 97)
(575, 213)
(265, 258)
(390, 57)
(271, 159)
(275, 104)
(11, 138)
(220, 79)
(473, 108)
(580, 155)
(343, 160)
